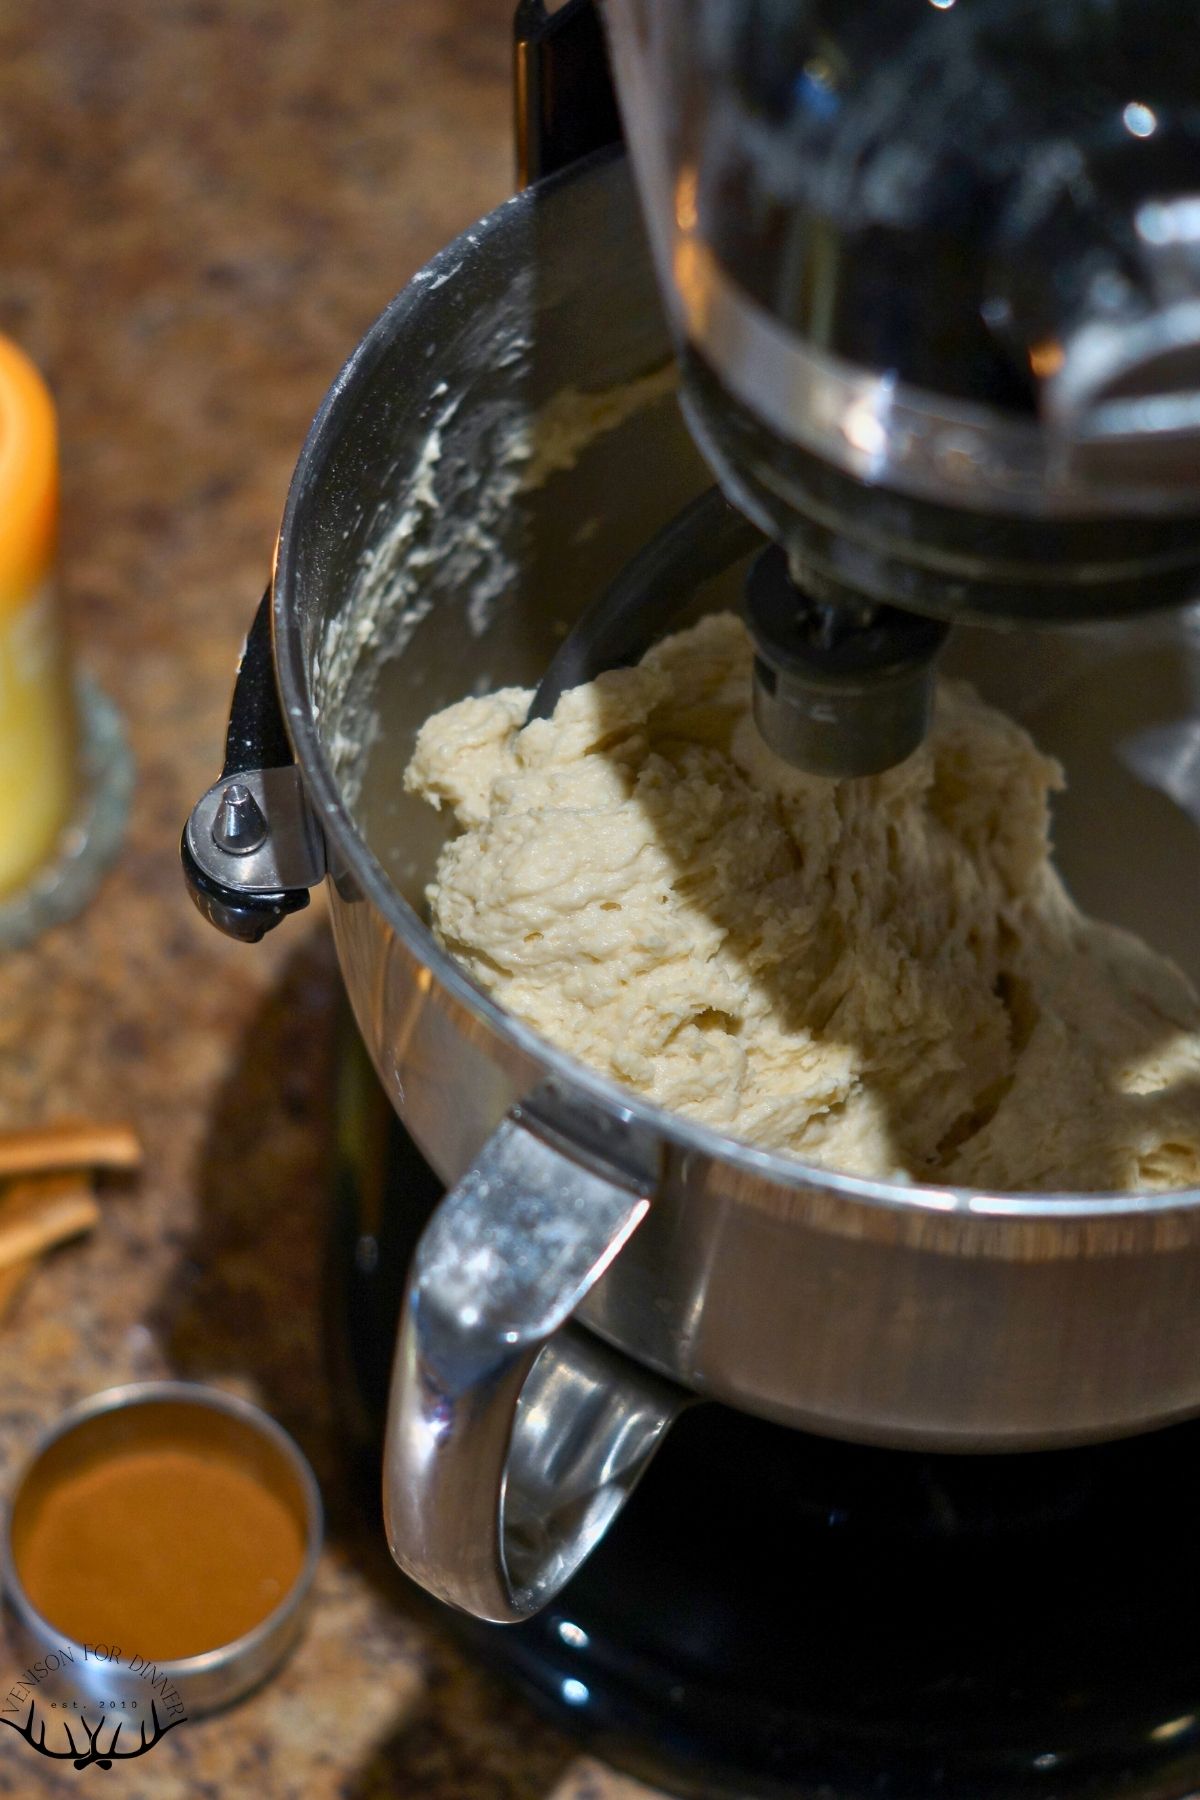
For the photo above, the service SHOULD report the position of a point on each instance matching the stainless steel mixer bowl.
(431, 548)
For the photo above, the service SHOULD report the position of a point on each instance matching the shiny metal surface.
(200, 1683)
(891, 1313)
(774, 150)
(283, 848)
(1083, 460)
(510, 1446)
(1127, 400)
(240, 825)
(1129, 391)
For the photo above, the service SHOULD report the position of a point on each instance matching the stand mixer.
(931, 276)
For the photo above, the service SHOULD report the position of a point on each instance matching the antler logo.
(95, 1756)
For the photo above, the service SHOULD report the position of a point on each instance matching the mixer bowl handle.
(513, 1438)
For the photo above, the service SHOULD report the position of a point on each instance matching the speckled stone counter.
(202, 205)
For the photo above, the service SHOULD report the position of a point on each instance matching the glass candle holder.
(64, 767)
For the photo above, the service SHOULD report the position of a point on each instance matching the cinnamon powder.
(175, 1541)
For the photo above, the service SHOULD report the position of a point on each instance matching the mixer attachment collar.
(841, 687)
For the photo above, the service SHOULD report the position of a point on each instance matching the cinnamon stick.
(39, 1213)
(84, 1146)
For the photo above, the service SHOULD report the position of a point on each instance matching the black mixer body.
(934, 276)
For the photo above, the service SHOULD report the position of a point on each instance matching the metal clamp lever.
(512, 1444)
(252, 847)
(256, 832)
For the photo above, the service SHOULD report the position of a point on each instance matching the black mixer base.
(781, 1615)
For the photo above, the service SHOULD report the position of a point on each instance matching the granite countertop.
(203, 203)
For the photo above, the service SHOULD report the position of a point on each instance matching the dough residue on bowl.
(883, 976)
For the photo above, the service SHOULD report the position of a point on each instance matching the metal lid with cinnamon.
(160, 1548)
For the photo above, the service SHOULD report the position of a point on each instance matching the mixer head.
(934, 275)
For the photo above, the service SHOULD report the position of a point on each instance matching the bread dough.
(883, 976)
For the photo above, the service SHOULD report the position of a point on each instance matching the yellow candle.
(37, 713)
